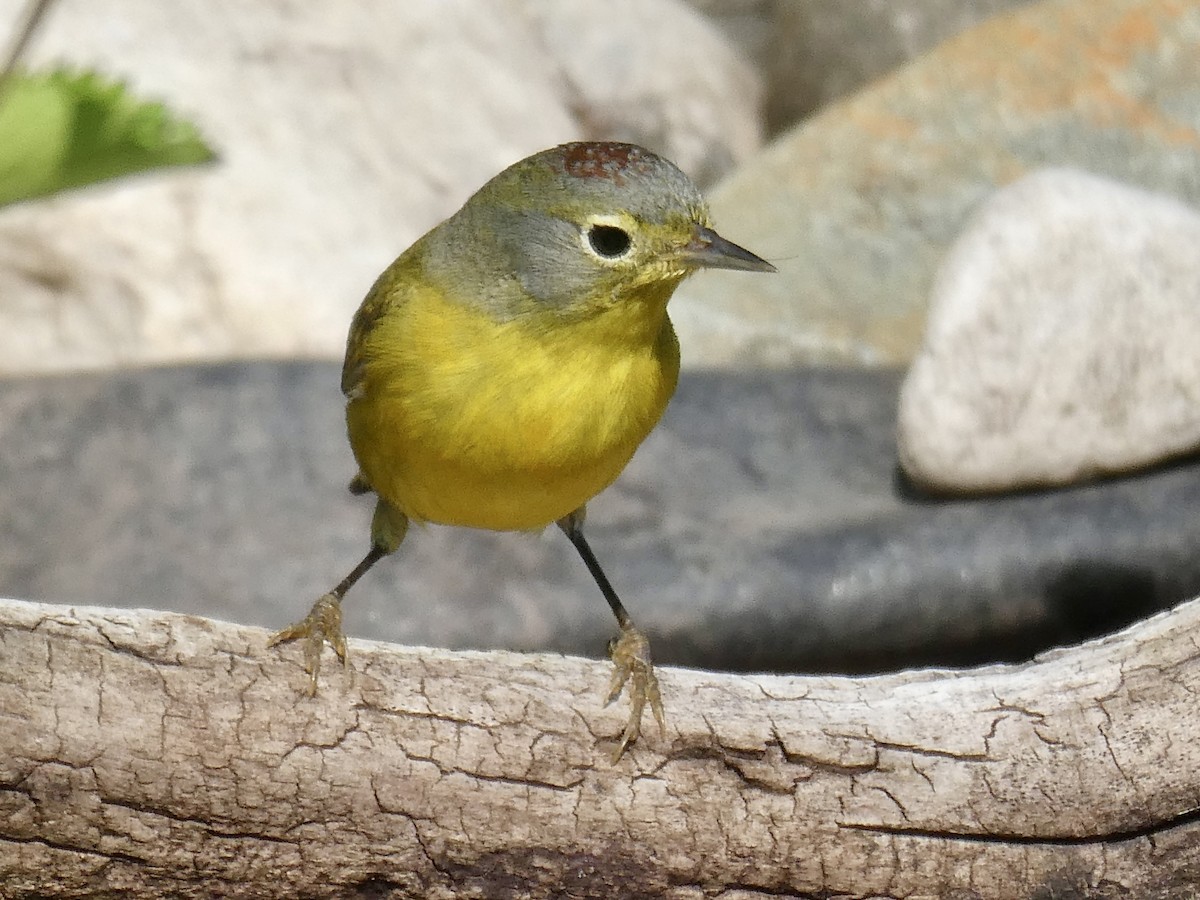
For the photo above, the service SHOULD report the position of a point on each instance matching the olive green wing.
(354, 365)
(385, 294)
(390, 290)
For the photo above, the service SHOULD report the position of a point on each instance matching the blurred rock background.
(170, 421)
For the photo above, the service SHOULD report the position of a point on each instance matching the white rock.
(345, 131)
(692, 98)
(1063, 339)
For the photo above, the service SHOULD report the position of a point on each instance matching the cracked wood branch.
(144, 753)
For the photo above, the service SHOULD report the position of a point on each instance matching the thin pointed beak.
(708, 250)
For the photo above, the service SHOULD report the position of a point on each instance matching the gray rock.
(814, 52)
(822, 50)
(1063, 340)
(762, 526)
(858, 204)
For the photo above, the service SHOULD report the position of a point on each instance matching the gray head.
(583, 225)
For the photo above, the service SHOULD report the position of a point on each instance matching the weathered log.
(148, 754)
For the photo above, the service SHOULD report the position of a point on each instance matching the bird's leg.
(629, 650)
(324, 621)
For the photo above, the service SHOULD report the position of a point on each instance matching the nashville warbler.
(504, 369)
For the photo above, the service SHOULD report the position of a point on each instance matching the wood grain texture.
(146, 753)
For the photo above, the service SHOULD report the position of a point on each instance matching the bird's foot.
(630, 653)
(323, 623)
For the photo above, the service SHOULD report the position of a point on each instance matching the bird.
(501, 372)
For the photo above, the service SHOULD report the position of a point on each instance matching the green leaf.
(35, 130)
(65, 129)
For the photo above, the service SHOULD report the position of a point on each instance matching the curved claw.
(632, 665)
(323, 623)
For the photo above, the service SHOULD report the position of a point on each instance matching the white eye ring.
(607, 239)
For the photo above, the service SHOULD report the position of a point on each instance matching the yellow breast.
(506, 425)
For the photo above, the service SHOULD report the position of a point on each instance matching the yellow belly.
(463, 420)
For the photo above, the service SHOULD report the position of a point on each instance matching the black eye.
(609, 241)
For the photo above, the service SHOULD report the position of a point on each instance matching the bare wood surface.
(150, 754)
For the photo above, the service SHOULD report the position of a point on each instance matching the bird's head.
(585, 226)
